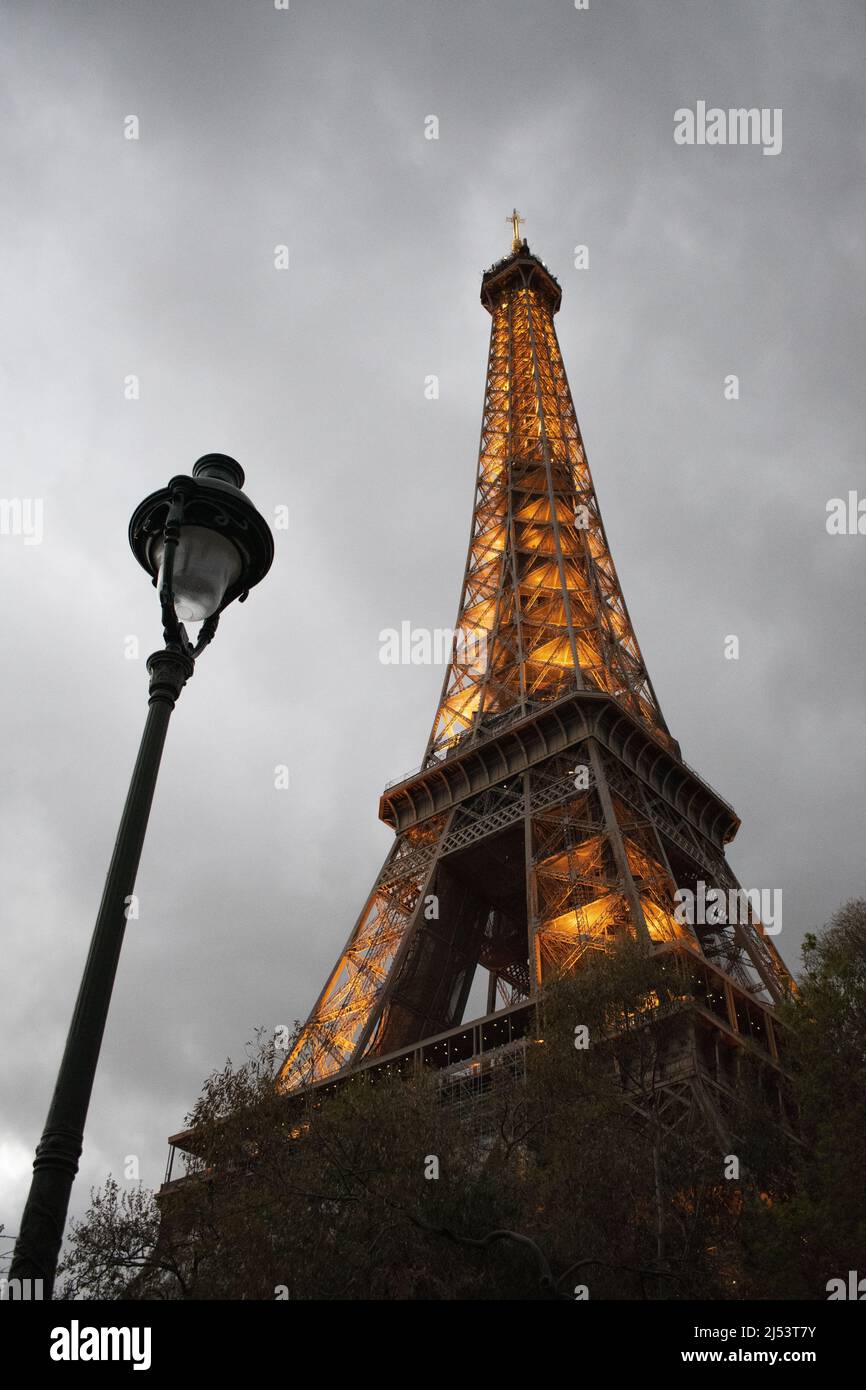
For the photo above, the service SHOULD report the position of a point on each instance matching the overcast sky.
(155, 258)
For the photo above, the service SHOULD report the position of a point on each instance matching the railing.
(504, 721)
(473, 740)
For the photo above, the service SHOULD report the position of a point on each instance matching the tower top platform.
(521, 268)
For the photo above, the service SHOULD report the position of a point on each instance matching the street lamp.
(204, 545)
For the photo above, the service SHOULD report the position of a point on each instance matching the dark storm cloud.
(155, 258)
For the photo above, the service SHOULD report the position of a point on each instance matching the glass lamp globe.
(205, 564)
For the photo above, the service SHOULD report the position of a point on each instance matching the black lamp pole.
(213, 573)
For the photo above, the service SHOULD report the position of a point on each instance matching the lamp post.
(204, 545)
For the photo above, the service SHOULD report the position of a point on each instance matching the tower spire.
(515, 220)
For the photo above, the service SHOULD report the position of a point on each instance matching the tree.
(817, 1231)
(119, 1236)
(568, 1176)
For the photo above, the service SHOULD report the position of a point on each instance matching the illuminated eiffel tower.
(553, 810)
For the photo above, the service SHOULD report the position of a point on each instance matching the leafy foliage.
(567, 1177)
(817, 1231)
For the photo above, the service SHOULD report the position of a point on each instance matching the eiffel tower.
(553, 810)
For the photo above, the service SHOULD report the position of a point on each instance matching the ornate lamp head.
(204, 545)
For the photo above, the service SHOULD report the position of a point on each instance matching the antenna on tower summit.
(515, 219)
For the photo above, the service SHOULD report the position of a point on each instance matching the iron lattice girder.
(554, 728)
(539, 581)
(351, 1019)
(726, 1012)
